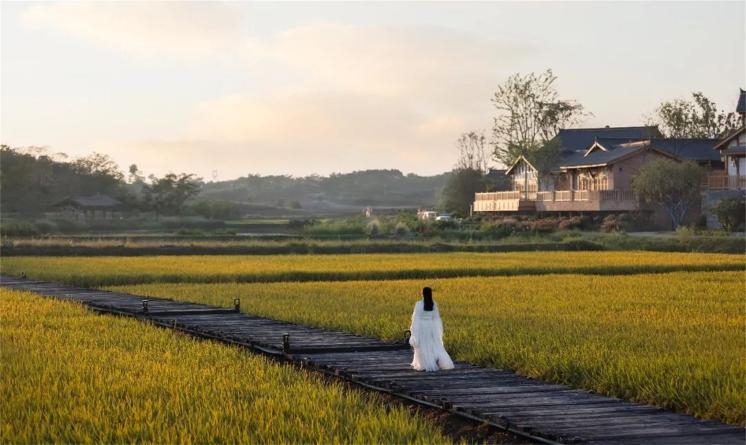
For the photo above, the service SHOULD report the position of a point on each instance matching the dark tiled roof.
(741, 107)
(600, 157)
(97, 201)
(691, 149)
(574, 139)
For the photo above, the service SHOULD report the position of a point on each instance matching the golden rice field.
(99, 271)
(70, 376)
(675, 340)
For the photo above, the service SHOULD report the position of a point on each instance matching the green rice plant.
(68, 375)
(674, 340)
(99, 271)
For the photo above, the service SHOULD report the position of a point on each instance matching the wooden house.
(594, 171)
(732, 151)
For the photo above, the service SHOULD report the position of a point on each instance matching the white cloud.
(372, 97)
(182, 30)
(332, 97)
(396, 61)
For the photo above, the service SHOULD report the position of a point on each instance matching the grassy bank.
(139, 245)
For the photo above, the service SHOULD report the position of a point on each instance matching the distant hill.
(332, 194)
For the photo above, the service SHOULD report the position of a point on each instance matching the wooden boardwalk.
(544, 412)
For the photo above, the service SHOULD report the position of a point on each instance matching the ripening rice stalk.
(68, 375)
(101, 271)
(674, 340)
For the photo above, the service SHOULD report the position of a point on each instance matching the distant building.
(89, 205)
(732, 151)
(592, 173)
(426, 215)
(730, 181)
(594, 170)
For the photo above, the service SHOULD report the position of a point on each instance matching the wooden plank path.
(530, 408)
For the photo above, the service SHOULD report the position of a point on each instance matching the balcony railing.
(558, 200)
(496, 196)
(586, 195)
(725, 182)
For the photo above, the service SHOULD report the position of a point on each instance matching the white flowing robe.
(427, 340)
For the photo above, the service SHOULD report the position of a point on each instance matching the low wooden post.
(286, 343)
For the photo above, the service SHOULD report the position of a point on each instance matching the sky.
(229, 89)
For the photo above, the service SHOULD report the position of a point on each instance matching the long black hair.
(427, 297)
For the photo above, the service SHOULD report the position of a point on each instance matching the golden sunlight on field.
(674, 340)
(70, 376)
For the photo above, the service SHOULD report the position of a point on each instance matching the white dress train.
(427, 340)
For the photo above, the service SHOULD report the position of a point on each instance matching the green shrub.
(615, 223)
(401, 230)
(45, 226)
(575, 222)
(499, 230)
(731, 212)
(546, 225)
(373, 228)
(18, 229)
(70, 225)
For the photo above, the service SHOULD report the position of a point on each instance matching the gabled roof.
(574, 139)
(610, 154)
(729, 137)
(575, 142)
(598, 157)
(741, 107)
(691, 149)
(520, 158)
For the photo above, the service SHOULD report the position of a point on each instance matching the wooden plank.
(529, 411)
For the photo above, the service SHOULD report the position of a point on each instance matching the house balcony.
(716, 181)
(557, 201)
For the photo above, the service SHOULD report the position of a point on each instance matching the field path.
(531, 408)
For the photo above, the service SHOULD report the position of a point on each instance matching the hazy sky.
(303, 88)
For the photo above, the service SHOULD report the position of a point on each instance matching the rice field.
(101, 271)
(675, 340)
(70, 376)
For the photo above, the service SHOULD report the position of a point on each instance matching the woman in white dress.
(427, 336)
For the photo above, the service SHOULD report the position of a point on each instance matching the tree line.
(32, 181)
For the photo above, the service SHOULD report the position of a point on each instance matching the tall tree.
(98, 164)
(472, 153)
(458, 193)
(529, 114)
(673, 185)
(167, 195)
(695, 118)
(135, 175)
